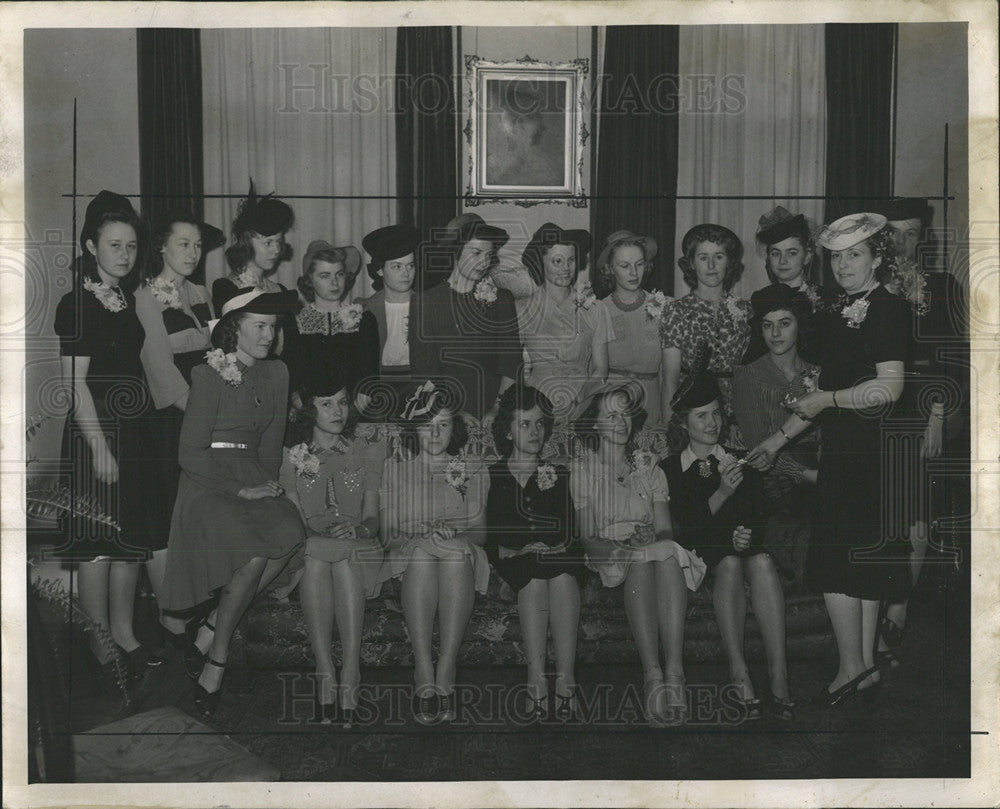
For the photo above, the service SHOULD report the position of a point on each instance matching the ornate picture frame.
(525, 131)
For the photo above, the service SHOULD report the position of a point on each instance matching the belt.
(716, 374)
(633, 374)
(227, 445)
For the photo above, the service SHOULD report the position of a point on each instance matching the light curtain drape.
(772, 143)
(305, 112)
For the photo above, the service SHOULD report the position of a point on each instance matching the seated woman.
(433, 518)
(333, 475)
(232, 531)
(719, 508)
(620, 497)
(564, 329)
(328, 325)
(531, 543)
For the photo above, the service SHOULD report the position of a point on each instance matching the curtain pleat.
(637, 141)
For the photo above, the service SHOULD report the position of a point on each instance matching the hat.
(266, 216)
(780, 296)
(470, 226)
(104, 203)
(648, 244)
(550, 234)
(907, 208)
(779, 225)
(211, 236)
(850, 230)
(393, 241)
(352, 257)
(254, 300)
(326, 375)
(699, 388)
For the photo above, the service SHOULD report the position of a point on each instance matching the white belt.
(227, 445)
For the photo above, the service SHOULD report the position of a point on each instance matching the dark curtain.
(636, 149)
(171, 169)
(426, 143)
(859, 98)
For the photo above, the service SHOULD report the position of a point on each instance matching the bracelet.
(835, 400)
(938, 416)
(782, 431)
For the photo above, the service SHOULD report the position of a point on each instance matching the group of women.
(230, 435)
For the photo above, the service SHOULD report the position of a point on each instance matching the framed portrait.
(525, 131)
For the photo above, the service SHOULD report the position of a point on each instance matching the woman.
(328, 326)
(620, 497)
(232, 531)
(709, 318)
(790, 259)
(564, 329)
(258, 247)
(105, 438)
(433, 514)
(719, 508)
(862, 343)
(531, 543)
(393, 270)
(174, 313)
(333, 474)
(634, 340)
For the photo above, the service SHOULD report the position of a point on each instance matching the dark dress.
(517, 517)
(711, 535)
(847, 553)
(112, 342)
(176, 341)
(214, 531)
(468, 342)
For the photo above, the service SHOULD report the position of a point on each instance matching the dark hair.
(158, 238)
(335, 256)
(459, 430)
(678, 423)
(585, 426)
(240, 253)
(811, 269)
(226, 331)
(88, 262)
(300, 428)
(717, 234)
(519, 397)
(800, 308)
(374, 266)
(604, 282)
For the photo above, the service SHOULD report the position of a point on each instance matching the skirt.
(365, 557)
(614, 558)
(162, 470)
(399, 556)
(519, 570)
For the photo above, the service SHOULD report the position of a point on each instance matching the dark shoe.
(891, 633)
(324, 713)
(752, 708)
(886, 659)
(347, 718)
(567, 710)
(446, 713)
(848, 691)
(426, 709)
(194, 658)
(537, 708)
(207, 702)
(782, 709)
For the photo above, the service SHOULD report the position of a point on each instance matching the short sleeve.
(604, 330)
(579, 484)
(658, 486)
(374, 463)
(672, 325)
(76, 339)
(889, 329)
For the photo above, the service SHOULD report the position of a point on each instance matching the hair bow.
(420, 401)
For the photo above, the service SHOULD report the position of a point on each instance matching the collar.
(688, 457)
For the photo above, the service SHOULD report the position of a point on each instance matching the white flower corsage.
(306, 464)
(737, 312)
(546, 476)
(485, 291)
(165, 292)
(642, 460)
(225, 365)
(457, 476)
(910, 283)
(856, 313)
(655, 301)
(111, 298)
(725, 461)
(248, 278)
(584, 297)
(349, 317)
(812, 294)
(810, 380)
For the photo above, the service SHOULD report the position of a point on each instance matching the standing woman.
(532, 543)
(329, 328)
(634, 340)
(258, 247)
(709, 317)
(622, 511)
(433, 515)
(105, 440)
(232, 531)
(333, 474)
(174, 312)
(564, 329)
(862, 342)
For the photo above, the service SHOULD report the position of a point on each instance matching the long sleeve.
(200, 414)
(271, 441)
(752, 406)
(420, 334)
(166, 383)
(509, 348)
(370, 359)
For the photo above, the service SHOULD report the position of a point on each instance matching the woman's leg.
(845, 615)
(349, 608)
(641, 611)
(919, 534)
(730, 602)
(419, 596)
(768, 602)
(564, 618)
(316, 596)
(869, 629)
(671, 599)
(92, 579)
(156, 567)
(533, 613)
(456, 595)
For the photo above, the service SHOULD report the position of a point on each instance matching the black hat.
(211, 236)
(779, 225)
(254, 300)
(104, 203)
(393, 241)
(780, 296)
(326, 375)
(469, 226)
(548, 235)
(699, 388)
(908, 208)
(264, 215)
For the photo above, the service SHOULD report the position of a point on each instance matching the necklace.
(629, 307)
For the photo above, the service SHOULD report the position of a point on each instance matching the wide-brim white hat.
(850, 230)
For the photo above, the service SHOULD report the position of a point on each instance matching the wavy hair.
(717, 234)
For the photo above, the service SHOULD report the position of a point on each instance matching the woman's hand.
(741, 538)
(810, 476)
(810, 405)
(933, 437)
(642, 535)
(443, 532)
(341, 528)
(538, 547)
(270, 488)
(732, 477)
(762, 456)
(105, 465)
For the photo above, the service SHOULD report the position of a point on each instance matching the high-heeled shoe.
(324, 713)
(537, 708)
(847, 692)
(779, 708)
(751, 705)
(676, 704)
(426, 709)
(567, 710)
(194, 658)
(141, 660)
(654, 699)
(207, 702)
(446, 712)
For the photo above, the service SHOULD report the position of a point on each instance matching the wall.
(98, 68)
(548, 44)
(932, 90)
